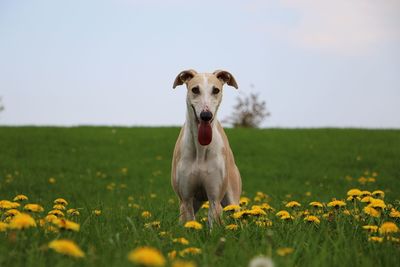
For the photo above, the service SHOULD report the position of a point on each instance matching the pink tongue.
(205, 133)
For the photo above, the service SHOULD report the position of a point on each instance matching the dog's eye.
(196, 90)
(215, 91)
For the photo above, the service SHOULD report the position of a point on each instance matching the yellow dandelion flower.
(110, 186)
(346, 212)
(261, 195)
(282, 213)
(304, 213)
(352, 198)
(316, 204)
(146, 256)
(73, 212)
(255, 212)
(367, 199)
(256, 207)
(134, 205)
(287, 218)
(5, 204)
(57, 213)
(371, 228)
(327, 215)
(336, 204)
(284, 251)
(180, 263)
(66, 247)
(193, 225)
(232, 227)
(146, 214)
(266, 206)
(51, 229)
(11, 212)
(97, 212)
(52, 180)
(245, 213)
(371, 180)
(354, 192)
(189, 251)
(244, 201)
(388, 228)
(3, 227)
(362, 180)
(365, 193)
(394, 213)
(257, 199)
(181, 240)
(163, 233)
(33, 208)
(172, 255)
(378, 203)
(15, 205)
(375, 239)
(154, 225)
(61, 201)
(58, 207)
(42, 222)
(22, 221)
(206, 205)
(371, 211)
(152, 195)
(66, 225)
(238, 214)
(20, 198)
(232, 208)
(124, 171)
(263, 223)
(312, 218)
(50, 218)
(292, 204)
(378, 193)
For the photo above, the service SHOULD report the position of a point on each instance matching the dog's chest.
(203, 169)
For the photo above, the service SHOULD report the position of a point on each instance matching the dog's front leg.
(214, 212)
(186, 210)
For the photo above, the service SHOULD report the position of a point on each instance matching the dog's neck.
(193, 145)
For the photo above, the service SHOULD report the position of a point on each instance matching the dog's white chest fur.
(201, 167)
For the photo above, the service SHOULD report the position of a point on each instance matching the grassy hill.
(125, 171)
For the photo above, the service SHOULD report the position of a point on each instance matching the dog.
(203, 165)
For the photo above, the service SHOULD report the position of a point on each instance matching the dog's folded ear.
(226, 77)
(184, 77)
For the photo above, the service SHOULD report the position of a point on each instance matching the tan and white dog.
(203, 166)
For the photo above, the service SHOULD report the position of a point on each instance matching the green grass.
(87, 162)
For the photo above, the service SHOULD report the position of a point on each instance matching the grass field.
(124, 171)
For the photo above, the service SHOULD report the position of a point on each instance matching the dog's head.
(204, 95)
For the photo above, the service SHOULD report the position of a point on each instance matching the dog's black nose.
(206, 115)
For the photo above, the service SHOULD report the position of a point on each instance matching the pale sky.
(316, 63)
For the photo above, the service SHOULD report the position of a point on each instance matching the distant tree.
(249, 112)
(1, 105)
